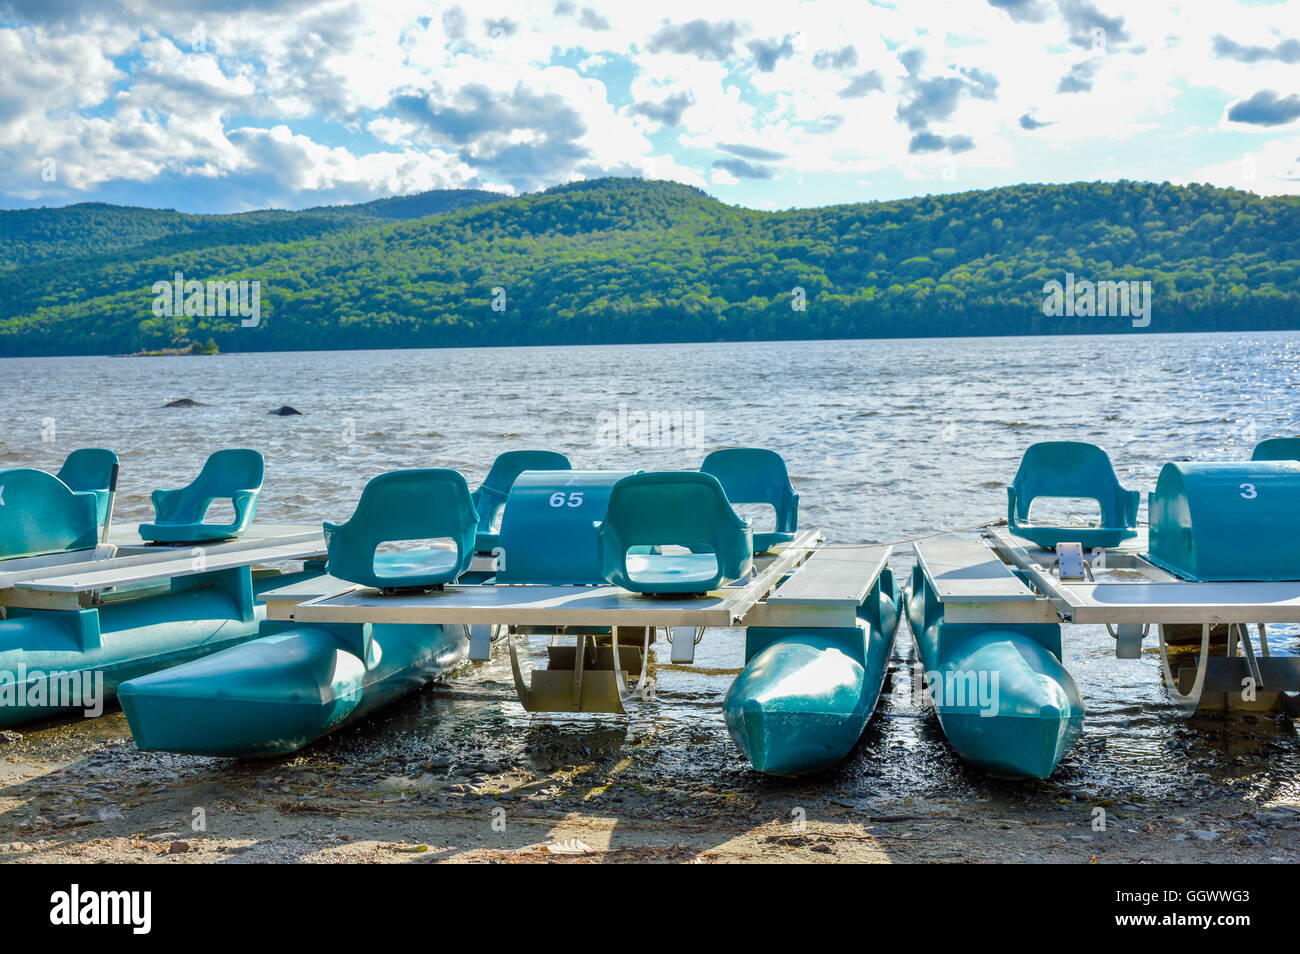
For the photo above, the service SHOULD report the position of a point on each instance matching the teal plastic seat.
(93, 470)
(751, 475)
(427, 504)
(672, 509)
(491, 495)
(39, 514)
(1071, 469)
(234, 474)
(1277, 448)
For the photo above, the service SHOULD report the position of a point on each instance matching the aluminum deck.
(820, 587)
(70, 580)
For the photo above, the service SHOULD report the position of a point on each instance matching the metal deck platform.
(802, 584)
(70, 580)
(528, 604)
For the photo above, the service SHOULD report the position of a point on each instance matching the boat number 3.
(1249, 492)
(561, 499)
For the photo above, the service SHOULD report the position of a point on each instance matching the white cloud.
(309, 96)
(1271, 170)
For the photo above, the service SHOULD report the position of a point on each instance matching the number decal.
(561, 499)
(1249, 492)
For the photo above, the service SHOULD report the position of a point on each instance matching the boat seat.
(1277, 448)
(93, 470)
(683, 509)
(234, 474)
(752, 475)
(492, 493)
(405, 505)
(1068, 469)
(40, 514)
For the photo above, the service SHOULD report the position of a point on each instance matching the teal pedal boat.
(299, 682)
(81, 616)
(806, 694)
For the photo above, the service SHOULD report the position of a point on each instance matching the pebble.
(178, 848)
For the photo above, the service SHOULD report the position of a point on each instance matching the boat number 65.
(561, 499)
(1249, 492)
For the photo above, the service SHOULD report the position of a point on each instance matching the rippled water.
(885, 440)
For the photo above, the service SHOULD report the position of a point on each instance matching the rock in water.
(183, 402)
(286, 411)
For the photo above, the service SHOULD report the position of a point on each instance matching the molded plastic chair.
(491, 495)
(1071, 469)
(40, 514)
(233, 474)
(424, 504)
(751, 475)
(93, 470)
(685, 509)
(1277, 448)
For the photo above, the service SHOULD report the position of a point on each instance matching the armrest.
(792, 521)
(1132, 500)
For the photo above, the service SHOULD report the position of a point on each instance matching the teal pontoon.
(80, 616)
(806, 693)
(1222, 547)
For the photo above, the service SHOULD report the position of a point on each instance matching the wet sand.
(459, 773)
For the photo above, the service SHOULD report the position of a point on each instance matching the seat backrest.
(424, 504)
(90, 468)
(670, 507)
(511, 464)
(40, 514)
(1277, 448)
(1069, 469)
(752, 475)
(230, 470)
(494, 490)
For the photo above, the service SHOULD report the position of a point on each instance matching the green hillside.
(628, 260)
(31, 236)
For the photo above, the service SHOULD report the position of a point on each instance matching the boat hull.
(278, 693)
(58, 663)
(1004, 700)
(805, 695)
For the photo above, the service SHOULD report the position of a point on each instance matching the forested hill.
(626, 260)
(89, 229)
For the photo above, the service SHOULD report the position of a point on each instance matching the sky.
(230, 105)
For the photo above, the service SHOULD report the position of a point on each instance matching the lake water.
(885, 440)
